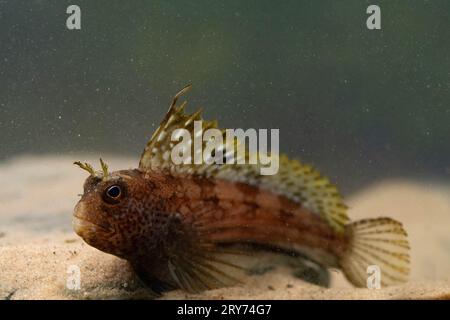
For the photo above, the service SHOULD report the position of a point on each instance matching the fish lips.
(84, 227)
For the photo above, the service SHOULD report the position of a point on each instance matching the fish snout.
(80, 211)
(79, 222)
(84, 224)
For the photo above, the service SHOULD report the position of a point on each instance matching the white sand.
(38, 246)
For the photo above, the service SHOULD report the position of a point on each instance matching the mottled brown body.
(163, 213)
(235, 212)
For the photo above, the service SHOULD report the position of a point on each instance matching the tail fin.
(382, 242)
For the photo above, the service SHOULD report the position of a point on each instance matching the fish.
(190, 226)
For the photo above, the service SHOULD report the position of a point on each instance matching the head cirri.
(105, 214)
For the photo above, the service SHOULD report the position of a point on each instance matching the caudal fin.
(380, 242)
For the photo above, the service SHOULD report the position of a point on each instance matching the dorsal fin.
(298, 182)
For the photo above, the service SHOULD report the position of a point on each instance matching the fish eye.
(113, 194)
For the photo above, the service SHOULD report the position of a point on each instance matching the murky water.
(369, 108)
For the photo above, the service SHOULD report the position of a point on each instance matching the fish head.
(107, 215)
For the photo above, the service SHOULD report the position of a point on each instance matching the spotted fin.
(295, 180)
(157, 152)
(378, 242)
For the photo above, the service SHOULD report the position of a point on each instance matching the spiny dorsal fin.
(156, 154)
(296, 181)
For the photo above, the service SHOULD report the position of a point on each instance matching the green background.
(361, 105)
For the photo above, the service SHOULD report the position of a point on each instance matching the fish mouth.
(82, 226)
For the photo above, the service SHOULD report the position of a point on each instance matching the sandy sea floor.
(38, 246)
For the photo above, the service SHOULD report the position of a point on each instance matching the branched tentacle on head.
(103, 174)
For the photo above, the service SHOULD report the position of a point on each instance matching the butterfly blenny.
(189, 226)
